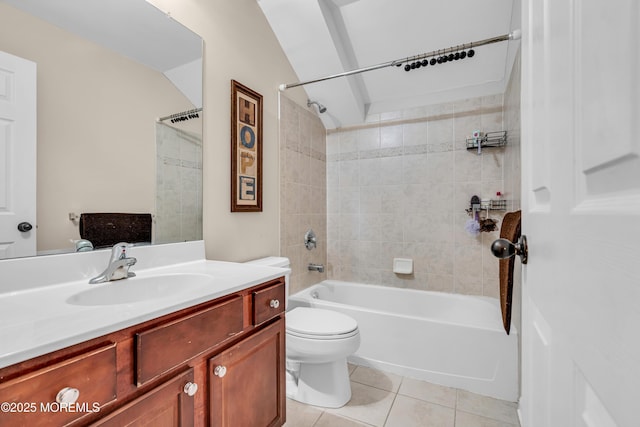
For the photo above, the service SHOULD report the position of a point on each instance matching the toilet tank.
(279, 262)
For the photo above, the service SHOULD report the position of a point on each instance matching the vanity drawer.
(170, 345)
(31, 398)
(268, 302)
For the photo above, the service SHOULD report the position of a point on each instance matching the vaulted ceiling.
(135, 29)
(327, 37)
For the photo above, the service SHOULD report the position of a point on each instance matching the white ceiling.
(326, 37)
(133, 28)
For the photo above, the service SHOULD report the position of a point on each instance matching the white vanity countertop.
(39, 320)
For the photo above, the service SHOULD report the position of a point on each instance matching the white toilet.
(318, 342)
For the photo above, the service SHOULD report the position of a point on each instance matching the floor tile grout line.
(455, 410)
(315, 423)
(373, 386)
(502, 422)
(395, 396)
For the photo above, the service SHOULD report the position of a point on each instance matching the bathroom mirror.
(107, 70)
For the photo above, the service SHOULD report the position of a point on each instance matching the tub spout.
(316, 267)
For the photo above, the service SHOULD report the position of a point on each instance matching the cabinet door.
(167, 405)
(247, 382)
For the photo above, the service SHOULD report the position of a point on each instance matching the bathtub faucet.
(316, 267)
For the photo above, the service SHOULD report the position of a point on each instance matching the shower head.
(321, 108)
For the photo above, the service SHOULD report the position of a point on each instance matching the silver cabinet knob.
(68, 395)
(191, 388)
(220, 371)
(274, 303)
(502, 248)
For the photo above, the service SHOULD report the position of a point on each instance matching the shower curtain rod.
(176, 115)
(514, 35)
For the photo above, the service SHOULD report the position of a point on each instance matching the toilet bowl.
(318, 342)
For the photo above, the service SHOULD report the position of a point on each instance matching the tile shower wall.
(399, 186)
(303, 191)
(178, 185)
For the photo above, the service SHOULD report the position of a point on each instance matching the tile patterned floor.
(381, 399)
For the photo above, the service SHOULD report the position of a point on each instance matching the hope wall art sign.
(246, 149)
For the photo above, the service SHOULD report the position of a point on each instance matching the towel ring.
(503, 249)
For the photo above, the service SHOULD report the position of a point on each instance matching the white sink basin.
(146, 288)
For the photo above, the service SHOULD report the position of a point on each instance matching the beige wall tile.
(400, 188)
(304, 200)
(468, 166)
(391, 136)
(348, 142)
(467, 285)
(415, 133)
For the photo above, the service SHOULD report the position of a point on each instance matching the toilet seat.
(320, 324)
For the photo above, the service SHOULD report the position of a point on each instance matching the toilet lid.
(319, 322)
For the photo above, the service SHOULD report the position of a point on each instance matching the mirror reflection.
(117, 117)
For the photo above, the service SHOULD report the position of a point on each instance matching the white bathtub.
(447, 339)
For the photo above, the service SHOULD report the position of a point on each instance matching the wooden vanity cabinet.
(246, 381)
(163, 372)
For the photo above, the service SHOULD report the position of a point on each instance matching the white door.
(17, 156)
(581, 213)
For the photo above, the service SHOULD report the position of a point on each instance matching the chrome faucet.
(119, 264)
(316, 267)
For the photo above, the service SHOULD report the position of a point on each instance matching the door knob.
(23, 227)
(502, 248)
